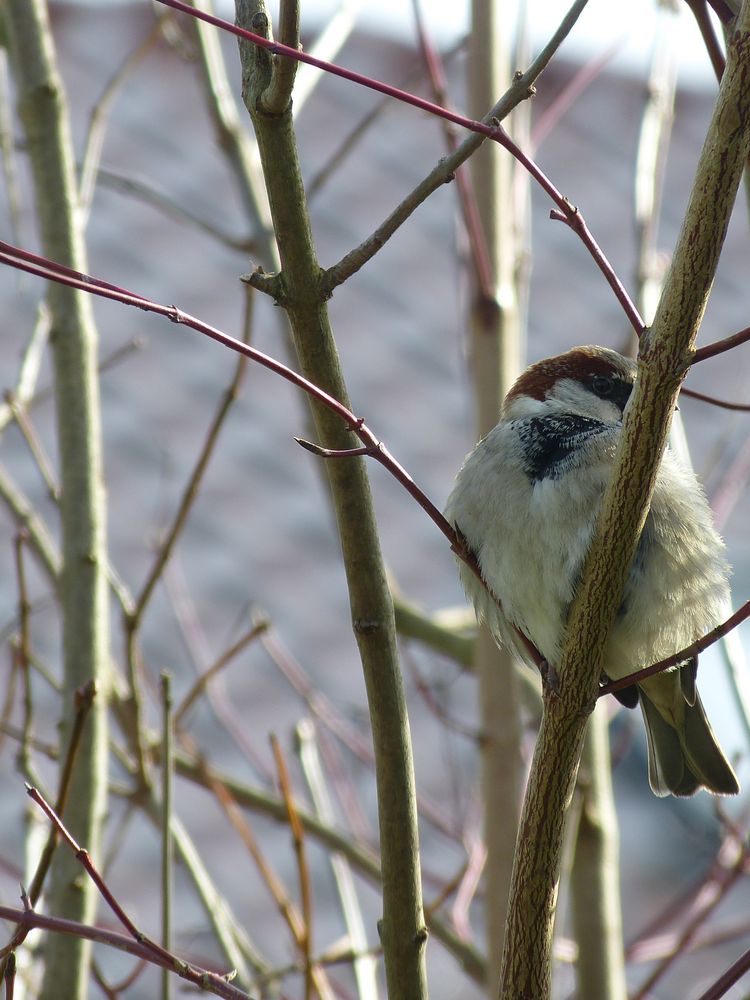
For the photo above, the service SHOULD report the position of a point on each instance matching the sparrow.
(526, 501)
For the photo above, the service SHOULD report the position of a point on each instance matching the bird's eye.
(603, 385)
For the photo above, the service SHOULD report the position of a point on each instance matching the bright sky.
(629, 27)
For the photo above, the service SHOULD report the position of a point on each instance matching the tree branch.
(403, 931)
(665, 353)
(83, 588)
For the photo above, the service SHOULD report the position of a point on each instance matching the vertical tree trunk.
(496, 351)
(300, 292)
(83, 588)
(595, 879)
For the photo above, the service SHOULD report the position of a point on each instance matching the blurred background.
(168, 221)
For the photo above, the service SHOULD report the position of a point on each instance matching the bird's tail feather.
(680, 761)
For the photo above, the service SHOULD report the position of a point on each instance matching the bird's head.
(587, 381)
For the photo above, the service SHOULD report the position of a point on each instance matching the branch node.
(270, 284)
(322, 452)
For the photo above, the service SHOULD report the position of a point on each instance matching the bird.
(525, 502)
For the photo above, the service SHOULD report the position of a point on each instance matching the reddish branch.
(684, 654)
(469, 209)
(566, 211)
(44, 268)
(150, 950)
(371, 446)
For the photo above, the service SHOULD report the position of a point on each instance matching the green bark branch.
(496, 352)
(665, 354)
(82, 584)
(300, 291)
(595, 876)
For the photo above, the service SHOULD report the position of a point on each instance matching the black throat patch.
(551, 443)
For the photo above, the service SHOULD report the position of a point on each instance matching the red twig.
(469, 208)
(570, 215)
(706, 28)
(723, 404)
(205, 980)
(723, 984)
(44, 268)
(154, 951)
(567, 212)
(684, 654)
(347, 74)
(711, 350)
(85, 858)
(711, 894)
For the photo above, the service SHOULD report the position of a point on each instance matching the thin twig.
(10, 976)
(338, 156)
(727, 344)
(684, 654)
(202, 682)
(167, 844)
(567, 96)
(570, 215)
(98, 116)
(521, 88)
(300, 853)
(226, 800)
(722, 404)
(114, 991)
(154, 951)
(364, 859)
(84, 700)
(322, 709)
(204, 979)
(706, 28)
(467, 199)
(489, 128)
(22, 654)
(363, 962)
(8, 149)
(711, 895)
(163, 203)
(279, 49)
(33, 355)
(193, 485)
(34, 444)
(653, 145)
(277, 95)
(725, 982)
(232, 137)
